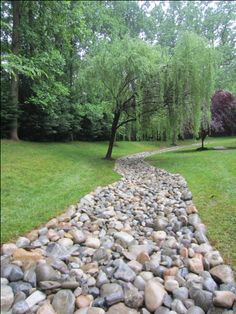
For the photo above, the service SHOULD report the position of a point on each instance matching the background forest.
(134, 70)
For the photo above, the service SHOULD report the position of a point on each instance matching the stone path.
(135, 246)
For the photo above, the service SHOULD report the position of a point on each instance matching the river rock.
(112, 292)
(46, 308)
(45, 272)
(93, 242)
(7, 297)
(222, 274)
(64, 302)
(124, 238)
(8, 248)
(154, 294)
(35, 298)
(224, 298)
(120, 308)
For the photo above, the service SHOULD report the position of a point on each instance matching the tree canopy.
(71, 68)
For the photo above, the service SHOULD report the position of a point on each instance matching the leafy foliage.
(223, 113)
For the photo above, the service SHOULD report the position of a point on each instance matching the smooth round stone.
(224, 298)
(146, 275)
(66, 243)
(101, 279)
(124, 272)
(84, 218)
(83, 301)
(139, 283)
(162, 310)
(100, 254)
(21, 286)
(12, 272)
(78, 236)
(22, 242)
(45, 272)
(158, 236)
(4, 281)
(78, 291)
(7, 297)
(213, 258)
(124, 238)
(93, 242)
(35, 298)
(121, 308)
(154, 294)
(95, 310)
(112, 292)
(196, 265)
(180, 293)
(46, 308)
(201, 298)
(222, 274)
(195, 310)
(20, 307)
(132, 297)
(8, 248)
(64, 302)
(171, 284)
(178, 307)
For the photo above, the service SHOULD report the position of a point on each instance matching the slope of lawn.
(211, 176)
(40, 179)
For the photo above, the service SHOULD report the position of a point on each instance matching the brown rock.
(46, 308)
(83, 301)
(171, 271)
(33, 235)
(196, 264)
(95, 310)
(8, 249)
(224, 299)
(184, 252)
(222, 273)
(191, 209)
(52, 223)
(27, 258)
(143, 257)
(154, 294)
(120, 308)
(135, 266)
(90, 268)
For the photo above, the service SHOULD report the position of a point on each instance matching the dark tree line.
(51, 52)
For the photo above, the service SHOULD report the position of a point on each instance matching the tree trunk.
(113, 134)
(15, 80)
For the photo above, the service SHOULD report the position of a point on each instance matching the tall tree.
(16, 7)
(121, 67)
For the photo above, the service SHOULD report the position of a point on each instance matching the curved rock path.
(135, 246)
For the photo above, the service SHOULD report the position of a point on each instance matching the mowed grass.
(39, 180)
(211, 176)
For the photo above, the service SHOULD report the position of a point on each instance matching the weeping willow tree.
(182, 90)
(120, 67)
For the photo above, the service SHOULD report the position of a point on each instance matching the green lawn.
(39, 180)
(211, 176)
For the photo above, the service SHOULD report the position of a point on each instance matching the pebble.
(224, 299)
(64, 302)
(35, 298)
(222, 273)
(154, 294)
(135, 246)
(93, 242)
(46, 308)
(7, 297)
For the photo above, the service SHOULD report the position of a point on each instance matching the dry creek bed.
(135, 246)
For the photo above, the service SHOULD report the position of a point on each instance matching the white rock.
(35, 298)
